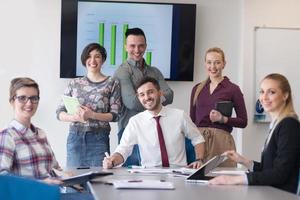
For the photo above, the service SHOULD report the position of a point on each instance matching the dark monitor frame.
(183, 39)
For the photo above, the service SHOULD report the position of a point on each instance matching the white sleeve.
(191, 131)
(128, 140)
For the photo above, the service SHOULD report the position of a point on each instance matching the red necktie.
(162, 145)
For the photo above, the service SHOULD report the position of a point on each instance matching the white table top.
(183, 190)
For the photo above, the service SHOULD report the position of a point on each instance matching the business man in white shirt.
(142, 130)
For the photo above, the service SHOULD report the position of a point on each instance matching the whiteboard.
(277, 50)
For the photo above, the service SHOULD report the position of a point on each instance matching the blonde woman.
(280, 158)
(215, 126)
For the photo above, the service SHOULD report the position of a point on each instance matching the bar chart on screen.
(107, 25)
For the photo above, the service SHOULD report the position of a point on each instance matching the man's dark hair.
(135, 31)
(148, 79)
(90, 47)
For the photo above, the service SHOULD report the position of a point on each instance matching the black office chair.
(16, 188)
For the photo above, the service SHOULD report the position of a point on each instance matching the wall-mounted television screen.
(169, 30)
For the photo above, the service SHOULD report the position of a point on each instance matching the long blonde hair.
(284, 85)
(202, 84)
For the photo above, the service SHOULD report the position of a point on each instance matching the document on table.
(151, 171)
(184, 171)
(71, 104)
(143, 184)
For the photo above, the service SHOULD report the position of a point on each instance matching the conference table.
(102, 189)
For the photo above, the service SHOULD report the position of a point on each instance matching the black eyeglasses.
(24, 99)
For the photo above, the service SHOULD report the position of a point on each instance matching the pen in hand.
(106, 155)
(107, 163)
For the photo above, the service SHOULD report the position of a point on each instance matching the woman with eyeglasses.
(24, 148)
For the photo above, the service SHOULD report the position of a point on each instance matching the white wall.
(30, 46)
(270, 13)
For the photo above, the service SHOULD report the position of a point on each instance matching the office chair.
(190, 151)
(16, 188)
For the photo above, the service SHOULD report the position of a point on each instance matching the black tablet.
(83, 178)
(225, 108)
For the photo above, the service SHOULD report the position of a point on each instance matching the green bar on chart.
(101, 34)
(113, 44)
(148, 57)
(124, 52)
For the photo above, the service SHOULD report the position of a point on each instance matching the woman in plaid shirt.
(24, 148)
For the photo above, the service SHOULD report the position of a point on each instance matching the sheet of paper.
(143, 184)
(202, 182)
(151, 171)
(71, 104)
(184, 171)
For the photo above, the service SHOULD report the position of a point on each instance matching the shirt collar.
(135, 63)
(272, 124)
(162, 113)
(21, 128)
(223, 83)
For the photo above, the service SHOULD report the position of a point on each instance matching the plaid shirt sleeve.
(7, 148)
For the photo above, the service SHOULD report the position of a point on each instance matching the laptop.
(200, 176)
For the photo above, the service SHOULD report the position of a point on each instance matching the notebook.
(224, 107)
(83, 178)
(201, 174)
(71, 104)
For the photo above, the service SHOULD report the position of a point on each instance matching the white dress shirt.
(141, 130)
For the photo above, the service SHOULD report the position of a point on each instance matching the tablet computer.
(201, 174)
(83, 178)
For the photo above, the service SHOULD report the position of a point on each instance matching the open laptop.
(200, 176)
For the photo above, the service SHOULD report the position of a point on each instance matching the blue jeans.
(134, 158)
(87, 149)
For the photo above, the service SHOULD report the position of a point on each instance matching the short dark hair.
(21, 82)
(90, 47)
(148, 79)
(135, 31)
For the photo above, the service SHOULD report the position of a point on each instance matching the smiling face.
(272, 97)
(94, 61)
(136, 47)
(214, 64)
(149, 97)
(23, 109)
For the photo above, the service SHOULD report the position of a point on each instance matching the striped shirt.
(25, 151)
